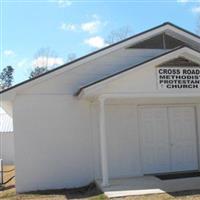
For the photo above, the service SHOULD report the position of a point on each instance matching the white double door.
(168, 139)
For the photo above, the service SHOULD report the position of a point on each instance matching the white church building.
(128, 110)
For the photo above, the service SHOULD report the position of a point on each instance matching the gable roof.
(78, 93)
(95, 53)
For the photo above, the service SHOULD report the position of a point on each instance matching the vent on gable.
(161, 41)
(179, 62)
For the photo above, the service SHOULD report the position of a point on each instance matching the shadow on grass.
(3, 188)
(89, 191)
(7, 171)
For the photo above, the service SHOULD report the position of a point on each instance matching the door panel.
(122, 141)
(154, 140)
(182, 138)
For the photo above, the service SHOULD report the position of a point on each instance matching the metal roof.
(6, 123)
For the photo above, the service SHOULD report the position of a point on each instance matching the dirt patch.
(8, 178)
(8, 192)
(90, 192)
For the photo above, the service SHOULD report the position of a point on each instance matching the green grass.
(98, 197)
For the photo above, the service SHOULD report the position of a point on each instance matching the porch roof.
(182, 51)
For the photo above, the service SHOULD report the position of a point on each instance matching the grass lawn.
(89, 192)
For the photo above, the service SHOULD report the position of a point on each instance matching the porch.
(144, 185)
(150, 126)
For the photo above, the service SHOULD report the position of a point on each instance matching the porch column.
(103, 145)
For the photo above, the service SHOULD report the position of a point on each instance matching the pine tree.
(6, 77)
(37, 71)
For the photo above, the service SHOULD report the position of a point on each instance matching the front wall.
(139, 81)
(142, 80)
(53, 142)
(121, 118)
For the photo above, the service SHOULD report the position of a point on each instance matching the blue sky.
(78, 26)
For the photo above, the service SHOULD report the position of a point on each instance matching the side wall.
(53, 142)
(7, 148)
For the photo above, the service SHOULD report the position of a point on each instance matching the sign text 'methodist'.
(178, 77)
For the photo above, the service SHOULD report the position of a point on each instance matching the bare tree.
(119, 34)
(71, 57)
(44, 59)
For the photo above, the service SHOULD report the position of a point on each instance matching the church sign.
(178, 77)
